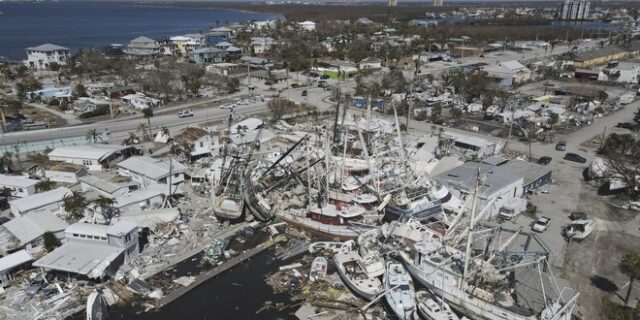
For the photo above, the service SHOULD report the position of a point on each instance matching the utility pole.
(513, 113)
(604, 132)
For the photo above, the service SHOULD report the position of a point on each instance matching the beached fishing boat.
(354, 275)
(399, 291)
(330, 246)
(96, 307)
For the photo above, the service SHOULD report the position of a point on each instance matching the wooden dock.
(200, 279)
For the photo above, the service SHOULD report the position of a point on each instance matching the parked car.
(304, 93)
(294, 85)
(324, 77)
(625, 125)
(561, 146)
(544, 160)
(227, 106)
(574, 157)
(185, 113)
(541, 224)
(322, 84)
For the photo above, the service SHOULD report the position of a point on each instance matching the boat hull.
(341, 232)
(460, 300)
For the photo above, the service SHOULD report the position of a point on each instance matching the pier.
(200, 279)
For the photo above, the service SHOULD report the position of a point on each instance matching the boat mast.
(474, 204)
(326, 159)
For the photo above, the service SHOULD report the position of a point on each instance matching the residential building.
(370, 63)
(143, 47)
(575, 10)
(466, 51)
(106, 188)
(499, 185)
(621, 72)
(93, 250)
(471, 145)
(307, 25)
(220, 32)
(20, 186)
(187, 43)
(438, 3)
(147, 170)
(392, 3)
(43, 56)
(48, 201)
(508, 73)
(140, 101)
(10, 263)
(27, 231)
(261, 45)
(258, 25)
(257, 62)
(227, 69)
(208, 55)
(196, 143)
(94, 157)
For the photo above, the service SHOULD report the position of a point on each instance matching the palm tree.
(45, 185)
(74, 204)
(93, 136)
(142, 127)
(131, 139)
(148, 114)
(630, 266)
(165, 132)
(106, 205)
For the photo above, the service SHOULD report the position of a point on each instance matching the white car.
(185, 113)
(227, 106)
(541, 224)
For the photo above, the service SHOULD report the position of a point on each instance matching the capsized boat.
(318, 269)
(431, 307)
(354, 275)
(399, 291)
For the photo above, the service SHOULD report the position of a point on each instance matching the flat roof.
(464, 177)
(529, 171)
(468, 139)
(136, 197)
(92, 229)
(13, 260)
(151, 167)
(121, 228)
(40, 199)
(102, 184)
(82, 258)
(88, 151)
(33, 225)
(17, 181)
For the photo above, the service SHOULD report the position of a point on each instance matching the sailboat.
(318, 269)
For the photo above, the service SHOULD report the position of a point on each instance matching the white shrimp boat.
(431, 307)
(318, 269)
(354, 275)
(399, 291)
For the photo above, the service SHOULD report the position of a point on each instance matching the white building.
(105, 188)
(261, 45)
(188, 42)
(11, 262)
(621, 72)
(575, 10)
(64, 172)
(147, 170)
(92, 156)
(27, 230)
(94, 250)
(49, 201)
(508, 73)
(307, 25)
(201, 143)
(43, 56)
(20, 186)
(370, 63)
(140, 101)
(143, 47)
